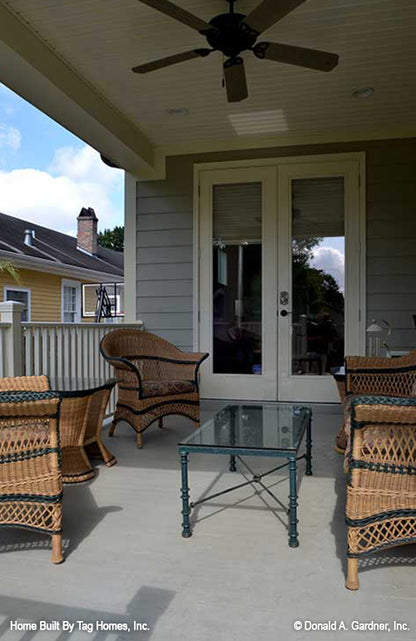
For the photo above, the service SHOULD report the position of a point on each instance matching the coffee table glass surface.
(268, 426)
(243, 429)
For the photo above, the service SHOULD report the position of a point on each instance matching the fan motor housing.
(228, 36)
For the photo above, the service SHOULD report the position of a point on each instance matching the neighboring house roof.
(53, 247)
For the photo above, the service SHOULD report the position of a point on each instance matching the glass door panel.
(237, 278)
(318, 275)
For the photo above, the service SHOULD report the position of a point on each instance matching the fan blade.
(268, 12)
(177, 13)
(311, 58)
(172, 60)
(235, 79)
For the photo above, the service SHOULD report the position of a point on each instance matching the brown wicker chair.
(30, 474)
(155, 379)
(381, 487)
(375, 375)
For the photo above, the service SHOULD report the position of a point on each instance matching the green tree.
(7, 268)
(314, 291)
(112, 239)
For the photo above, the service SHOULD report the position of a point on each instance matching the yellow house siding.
(45, 290)
(45, 293)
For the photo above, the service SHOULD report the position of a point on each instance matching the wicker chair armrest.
(122, 363)
(191, 357)
(383, 434)
(29, 404)
(383, 409)
(368, 363)
(381, 375)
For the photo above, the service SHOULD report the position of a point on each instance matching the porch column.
(12, 343)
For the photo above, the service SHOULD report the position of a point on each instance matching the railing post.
(11, 312)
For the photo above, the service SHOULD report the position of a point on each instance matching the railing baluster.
(59, 351)
(46, 354)
(52, 352)
(37, 352)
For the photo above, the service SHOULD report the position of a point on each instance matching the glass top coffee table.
(267, 429)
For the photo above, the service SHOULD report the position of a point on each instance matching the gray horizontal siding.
(160, 305)
(164, 257)
(164, 238)
(165, 222)
(165, 288)
(391, 239)
(166, 271)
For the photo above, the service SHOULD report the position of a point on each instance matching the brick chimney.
(87, 231)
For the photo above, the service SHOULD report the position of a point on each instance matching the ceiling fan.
(232, 33)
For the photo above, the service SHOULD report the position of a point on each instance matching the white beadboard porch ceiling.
(103, 39)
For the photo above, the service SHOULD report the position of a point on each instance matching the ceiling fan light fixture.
(363, 92)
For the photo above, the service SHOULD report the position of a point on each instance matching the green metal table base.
(256, 478)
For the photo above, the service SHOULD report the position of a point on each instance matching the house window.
(71, 302)
(20, 296)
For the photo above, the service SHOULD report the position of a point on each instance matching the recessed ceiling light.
(178, 111)
(363, 92)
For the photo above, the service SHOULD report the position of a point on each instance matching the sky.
(47, 174)
(329, 256)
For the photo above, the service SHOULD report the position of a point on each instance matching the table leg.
(186, 527)
(293, 503)
(232, 438)
(309, 447)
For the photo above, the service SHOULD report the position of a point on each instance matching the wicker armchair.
(375, 375)
(155, 379)
(381, 487)
(30, 474)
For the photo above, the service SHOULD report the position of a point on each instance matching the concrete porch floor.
(235, 579)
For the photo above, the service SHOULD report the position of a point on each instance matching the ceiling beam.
(31, 68)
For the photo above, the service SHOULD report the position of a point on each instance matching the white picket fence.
(66, 352)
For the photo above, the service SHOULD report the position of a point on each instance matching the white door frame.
(356, 271)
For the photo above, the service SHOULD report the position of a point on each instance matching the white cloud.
(9, 137)
(332, 261)
(76, 178)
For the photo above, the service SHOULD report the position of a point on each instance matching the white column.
(130, 247)
(11, 312)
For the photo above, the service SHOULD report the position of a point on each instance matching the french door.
(279, 278)
(319, 275)
(238, 283)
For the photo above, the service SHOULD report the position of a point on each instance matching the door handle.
(284, 312)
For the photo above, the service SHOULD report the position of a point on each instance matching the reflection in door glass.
(318, 275)
(237, 278)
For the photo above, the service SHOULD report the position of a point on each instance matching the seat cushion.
(167, 387)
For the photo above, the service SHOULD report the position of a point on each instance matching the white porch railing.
(3, 337)
(62, 351)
